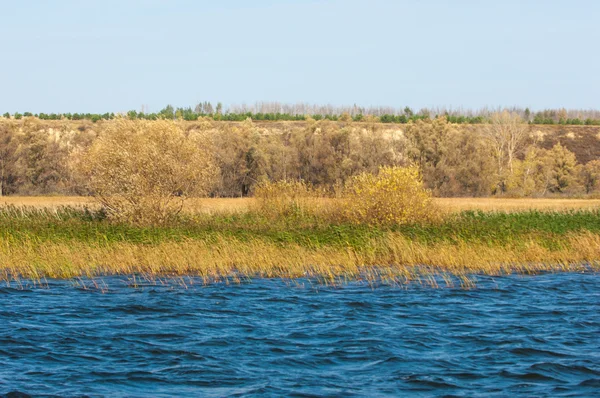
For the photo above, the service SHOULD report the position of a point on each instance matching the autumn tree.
(321, 149)
(532, 175)
(545, 171)
(590, 176)
(142, 171)
(40, 164)
(240, 157)
(8, 148)
(466, 166)
(428, 146)
(563, 169)
(506, 135)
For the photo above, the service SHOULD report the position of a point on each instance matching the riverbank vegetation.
(352, 220)
(75, 242)
(287, 231)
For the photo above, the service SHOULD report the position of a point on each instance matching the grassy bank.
(73, 242)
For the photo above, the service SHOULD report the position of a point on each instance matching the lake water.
(514, 335)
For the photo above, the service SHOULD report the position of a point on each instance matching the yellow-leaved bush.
(142, 171)
(394, 196)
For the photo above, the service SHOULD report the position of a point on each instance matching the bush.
(141, 172)
(394, 196)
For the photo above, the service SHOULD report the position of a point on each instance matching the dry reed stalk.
(392, 258)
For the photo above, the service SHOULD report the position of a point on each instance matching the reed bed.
(392, 258)
(74, 242)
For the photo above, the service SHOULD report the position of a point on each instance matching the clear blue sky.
(109, 55)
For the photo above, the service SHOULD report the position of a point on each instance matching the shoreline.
(69, 243)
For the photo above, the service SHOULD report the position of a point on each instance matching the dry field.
(242, 204)
(512, 205)
(209, 205)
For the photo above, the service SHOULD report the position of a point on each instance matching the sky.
(116, 55)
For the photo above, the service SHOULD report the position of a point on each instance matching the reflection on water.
(535, 336)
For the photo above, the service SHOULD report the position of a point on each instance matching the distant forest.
(503, 156)
(275, 111)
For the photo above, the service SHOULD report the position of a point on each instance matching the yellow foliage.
(394, 196)
(142, 171)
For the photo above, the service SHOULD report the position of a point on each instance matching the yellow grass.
(512, 205)
(45, 201)
(243, 204)
(391, 258)
(209, 205)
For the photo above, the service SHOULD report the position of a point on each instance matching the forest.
(504, 155)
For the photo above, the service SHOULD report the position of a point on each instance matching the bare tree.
(506, 134)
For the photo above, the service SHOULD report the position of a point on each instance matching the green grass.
(501, 227)
(492, 228)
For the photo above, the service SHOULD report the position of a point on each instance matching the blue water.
(531, 336)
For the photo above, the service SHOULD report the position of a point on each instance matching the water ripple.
(513, 335)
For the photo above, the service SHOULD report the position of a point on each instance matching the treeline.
(274, 111)
(188, 114)
(502, 156)
(547, 116)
